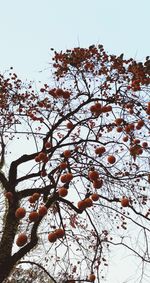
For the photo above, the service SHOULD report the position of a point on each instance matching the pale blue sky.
(30, 27)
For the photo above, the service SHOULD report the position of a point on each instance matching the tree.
(28, 275)
(75, 171)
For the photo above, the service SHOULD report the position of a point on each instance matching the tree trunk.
(5, 268)
(7, 240)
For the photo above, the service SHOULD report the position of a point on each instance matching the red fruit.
(63, 165)
(48, 144)
(20, 213)
(97, 184)
(59, 92)
(88, 202)
(66, 178)
(98, 107)
(35, 196)
(41, 155)
(37, 159)
(93, 109)
(92, 277)
(62, 192)
(95, 197)
(33, 216)
(60, 233)
(67, 153)
(118, 121)
(125, 139)
(46, 159)
(43, 173)
(42, 210)
(140, 123)
(100, 150)
(111, 159)
(93, 175)
(69, 125)
(66, 94)
(119, 129)
(31, 199)
(125, 202)
(21, 240)
(145, 144)
(81, 205)
(63, 178)
(9, 196)
(52, 237)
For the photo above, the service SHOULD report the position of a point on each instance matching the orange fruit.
(60, 233)
(93, 175)
(118, 121)
(69, 125)
(9, 196)
(35, 196)
(97, 184)
(95, 197)
(111, 159)
(52, 237)
(63, 165)
(125, 202)
(20, 213)
(66, 177)
(42, 210)
(48, 144)
(42, 156)
(92, 277)
(81, 205)
(33, 216)
(88, 202)
(100, 150)
(21, 240)
(67, 153)
(62, 192)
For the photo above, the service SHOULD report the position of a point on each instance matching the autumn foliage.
(82, 178)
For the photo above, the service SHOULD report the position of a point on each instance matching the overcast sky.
(29, 28)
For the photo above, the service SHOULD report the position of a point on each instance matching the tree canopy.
(75, 165)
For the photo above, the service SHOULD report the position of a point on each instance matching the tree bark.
(5, 268)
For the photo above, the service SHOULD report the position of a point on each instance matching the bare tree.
(75, 165)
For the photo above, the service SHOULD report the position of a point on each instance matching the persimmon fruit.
(62, 192)
(52, 237)
(97, 184)
(111, 159)
(92, 277)
(69, 125)
(36, 196)
(88, 202)
(9, 196)
(42, 210)
(100, 150)
(95, 197)
(48, 144)
(66, 178)
(67, 153)
(63, 165)
(93, 175)
(125, 202)
(33, 216)
(21, 240)
(20, 212)
(60, 233)
(81, 205)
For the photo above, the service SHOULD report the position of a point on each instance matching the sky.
(29, 28)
